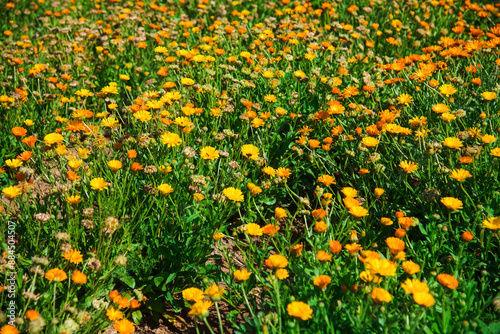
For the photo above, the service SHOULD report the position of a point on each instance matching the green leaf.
(137, 317)
(128, 280)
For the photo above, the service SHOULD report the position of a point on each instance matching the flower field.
(208, 166)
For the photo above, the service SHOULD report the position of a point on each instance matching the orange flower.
(131, 154)
(323, 256)
(29, 141)
(56, 274)
(322, 281)
(447, 281)
(25, 156)
(32, 315)
(19, 131)
(335, 246)
(79, 277)
(136, 167)
(297, 249)
(276, 261)
(270, 229)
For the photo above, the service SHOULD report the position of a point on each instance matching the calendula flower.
(200, 308)
(32, 315)
(209, 153)
(447, 281)
(408, 166)
(299, 310)
(19, 131)
(53, 138)
(124, 326)
(99, 184)
(381, 267)
(447, 90)
(492, 223)
(250, 151)
(78, 277)
(488, 96)
(380, 295)
(452, 203)
(358, 212)
(114, 165)
(370, 142)
(424, 299)
(271, 172)
(13, 163)
(280, 213)
(327, 180)
(322, 281)
(323, 256)
(56, 274)
(214, 292)
(165, 189)
(405, 99)
(11, 192)
(187, 81)
(233, 194)
(142, 116)
(114, 314)
(453, 143)
(460, 174)
(171, 139)
(276, 261)
(73, 256)
(193, 294)
(410, 267)
(412, 286)
(253, 229)
(242, 275)
(9, 329)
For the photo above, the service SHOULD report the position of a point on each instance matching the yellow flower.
(299, 74)
(495, 152)
(99, 184)
(488, 139)
(165, 189)
(209, 153)
(488, 96)
(75, 164)
(192, 294)
(74, 199)
(53, 138)
(299, 310)
(492, 223)
(280, 213)
(408, 166)
(73, 256)
(378, 192)
(142, 116)
(282, 274)
(452, 142)
(187, 81)
(124, 77)
(368, 277)
(460, 174)
(268, 74)
(386, 221)
(447, 90)
(171, 139)
(404, 99)
(13, 163)
(11, 192)
(114, 165)
(276, 261)
(214, 292)
(410, 267)
(327, 180)
(242, 275)
(113, 314)
(358, 212)
(380, 296)
(200, 308)
(395, 245)
(233, 194)
(370, 141)
(381, 267)
(349, 192)
(412, 286)
(110, 122)
(250, 151)
(452, 203)
(56, 274)
(83, 93)
(424, 299)
(253, 229)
